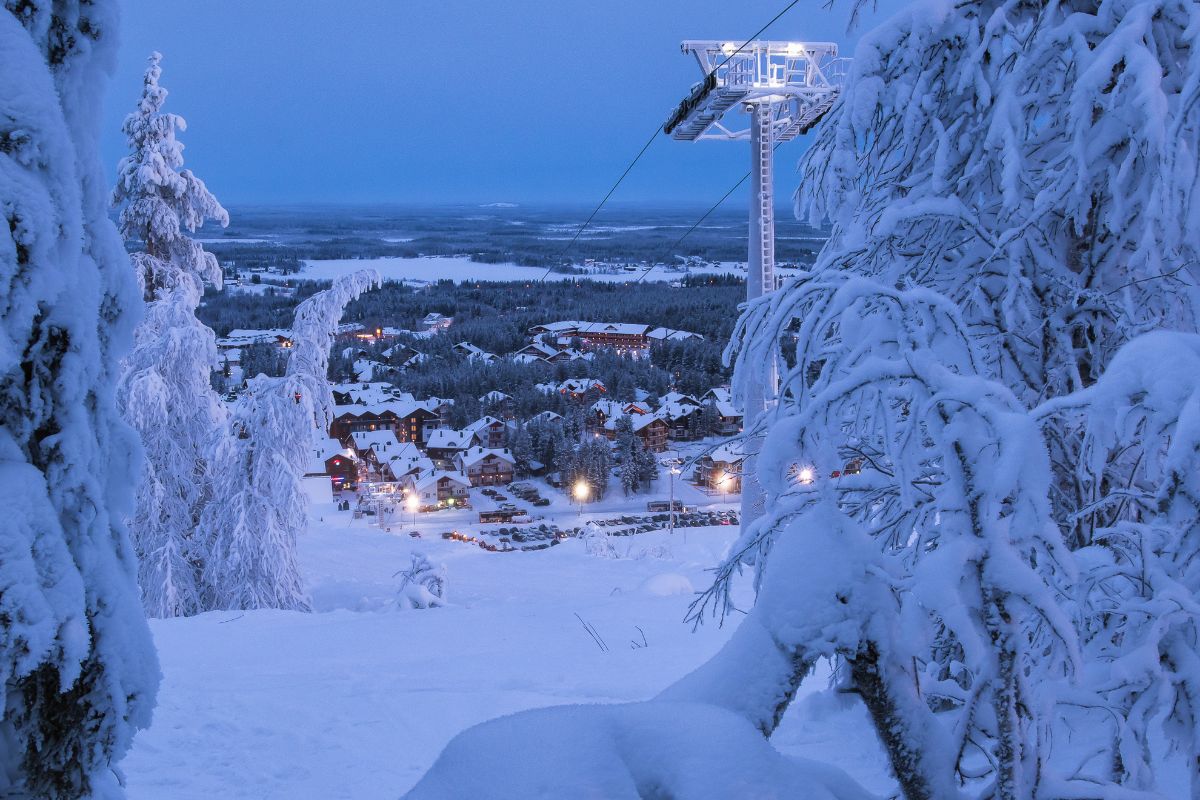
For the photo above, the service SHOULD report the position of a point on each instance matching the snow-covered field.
(357, 699)
(462, 269)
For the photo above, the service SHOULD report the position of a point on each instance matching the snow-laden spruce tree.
(259, 505)
(165, 392)
(1030, 168)
(77, 664)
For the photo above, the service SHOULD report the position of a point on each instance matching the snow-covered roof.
(433, 476)
(240, 337)
(383, 441)
(470, 457)
(371, 392)
(643, 420)
(481, 423)
(366, 368)
(546, 417)
(324, 449)
(538, 349)
(495, 396)
(730, 452)
(719, 394)
(401, 408)
(677, 397)
(580, 385)
(448, 439)
(727, 409)
(474, 353)
(527, 358)
(674, 411)
(671, 335)
(408, 461)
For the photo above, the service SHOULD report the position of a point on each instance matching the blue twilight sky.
(441, 101)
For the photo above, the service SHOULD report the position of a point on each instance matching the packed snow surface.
(358, 699)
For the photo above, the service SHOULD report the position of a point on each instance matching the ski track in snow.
(357, 700)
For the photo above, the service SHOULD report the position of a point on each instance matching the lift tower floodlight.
(786, 87)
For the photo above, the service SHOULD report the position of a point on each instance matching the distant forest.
(496, 317)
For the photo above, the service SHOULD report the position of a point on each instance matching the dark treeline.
(497, 316)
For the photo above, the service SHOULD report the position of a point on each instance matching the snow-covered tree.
(955, 491)
(1012, 184)
(77, 664)
(998, 547)
(1139, 593)
(422, 585)
(159, 200)
(165, 391)
(260, 507)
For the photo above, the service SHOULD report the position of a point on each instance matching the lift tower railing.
(785, 88)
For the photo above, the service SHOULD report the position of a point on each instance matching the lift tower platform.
(782, 90)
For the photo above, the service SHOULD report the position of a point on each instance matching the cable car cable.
(689, 231)
(650, 141)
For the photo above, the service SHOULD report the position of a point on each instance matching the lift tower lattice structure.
(784, 89)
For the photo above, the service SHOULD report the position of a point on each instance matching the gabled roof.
(433, 476)
(474, 353)
(481, 423)
(675, 411)
(368, 392)
(641, 421)
(671, 335)
(580, 385)
(469, 458)
(401, 408)
(527, 358)
(324, 449)
(448, 439)
(546, 417)
(732, 452)
(381, 442)
(728, 409)
(495, 396)
(408, 464)
(537, 348)
(719, 394)
(680, 398)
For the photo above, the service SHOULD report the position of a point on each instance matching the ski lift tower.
(776, 91)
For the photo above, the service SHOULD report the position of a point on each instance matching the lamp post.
(581, 494)
(413, 503)
(672, 470)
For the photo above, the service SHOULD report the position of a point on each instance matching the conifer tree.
(77, 666)
(165, 391)
(262, 508)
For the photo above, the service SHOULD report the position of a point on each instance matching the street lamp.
(806, 475)
(413, 503)
(672, 470)
(581, 494)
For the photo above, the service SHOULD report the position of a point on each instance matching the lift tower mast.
(786, 88)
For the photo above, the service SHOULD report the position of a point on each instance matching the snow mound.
(667, 584)
(686, 751)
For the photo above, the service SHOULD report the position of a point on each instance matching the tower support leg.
(760, 280)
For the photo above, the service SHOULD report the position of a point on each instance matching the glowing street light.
(673, 470)
(806, 475)
(581, 494)
(413, 504)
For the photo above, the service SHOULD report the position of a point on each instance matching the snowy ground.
(357, 699)
(462, 269)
